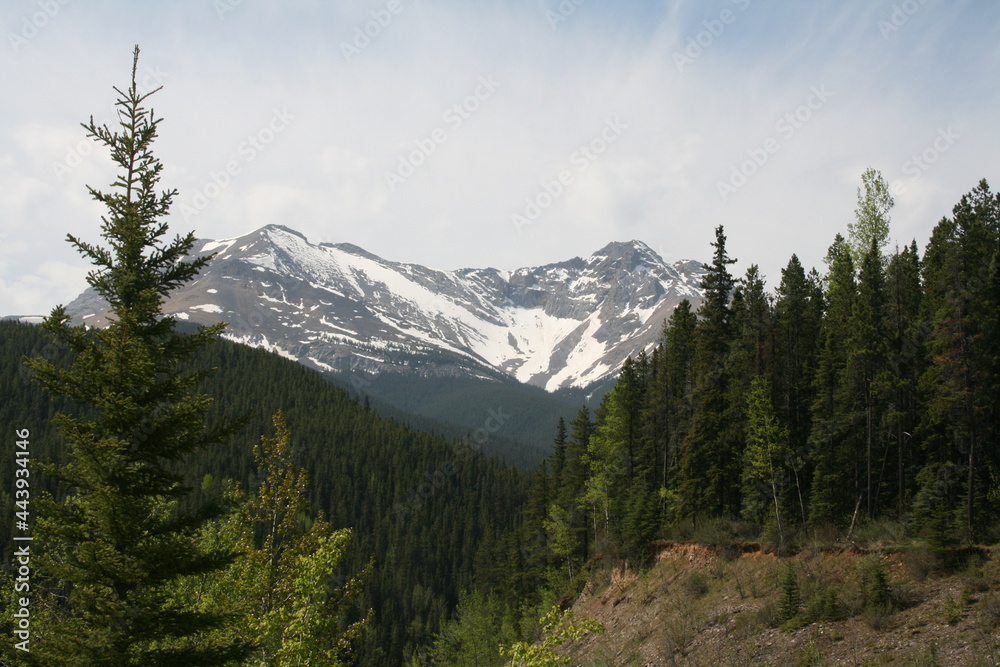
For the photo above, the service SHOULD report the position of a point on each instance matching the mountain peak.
(627, 255)
(281, 228)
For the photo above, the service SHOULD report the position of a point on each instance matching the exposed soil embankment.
(740, 605)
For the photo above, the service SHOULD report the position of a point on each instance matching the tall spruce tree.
(678, 359)
(798, 315)
(865, 362)
(574, 481)
(667, 409)
(834, 483)
(897, 384)
(112, 549)
(709, 469)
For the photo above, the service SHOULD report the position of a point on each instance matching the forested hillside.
(458, 404)
(865, 395)
(418, 504)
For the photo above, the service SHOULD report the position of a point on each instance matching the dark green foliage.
(460, 406)
(420, 505)
(790, 602)
(873, 583)
(798, 313)
(472, 639)
(832, 438)
(823, 607)
(709, 467)
(696, 585)
(865, 360)
(640, 525)
(959, 383)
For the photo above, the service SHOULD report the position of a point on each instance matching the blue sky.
(506, 134)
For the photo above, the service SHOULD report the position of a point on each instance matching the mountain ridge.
(339, 308)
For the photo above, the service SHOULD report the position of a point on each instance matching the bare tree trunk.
(777, 513)
(970, 494)
(854, 519)
(901, 481)
(868, 444)
(798, 488)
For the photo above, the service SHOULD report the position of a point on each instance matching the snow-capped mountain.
(340, 308)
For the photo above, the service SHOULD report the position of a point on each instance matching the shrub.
(824, 607)
(790, 602)
(696, 585)
(920, 562)
(767, 615)
(989, 611)
(881, 532)
(873, 580)
(953, 610)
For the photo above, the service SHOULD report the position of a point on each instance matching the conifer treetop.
(138, 270)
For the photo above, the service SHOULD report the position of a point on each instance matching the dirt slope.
(704, 606)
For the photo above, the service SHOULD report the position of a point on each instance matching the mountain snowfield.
(340, 308)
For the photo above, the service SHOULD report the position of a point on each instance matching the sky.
(476, 133)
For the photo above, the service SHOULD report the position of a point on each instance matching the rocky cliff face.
(338, 307)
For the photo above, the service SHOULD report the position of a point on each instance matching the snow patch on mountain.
(339, 307)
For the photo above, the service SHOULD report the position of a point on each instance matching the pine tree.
(559, 455)
(118, 542)
(790, 603)
(798, 317)
(678, 356)
(798, 314)
(709, 468)
(573, 483)
(834, 484)
(865, 362)
(897, 384)
(631, 394)
(749, 355)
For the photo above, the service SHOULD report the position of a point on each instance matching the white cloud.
(324, 173)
